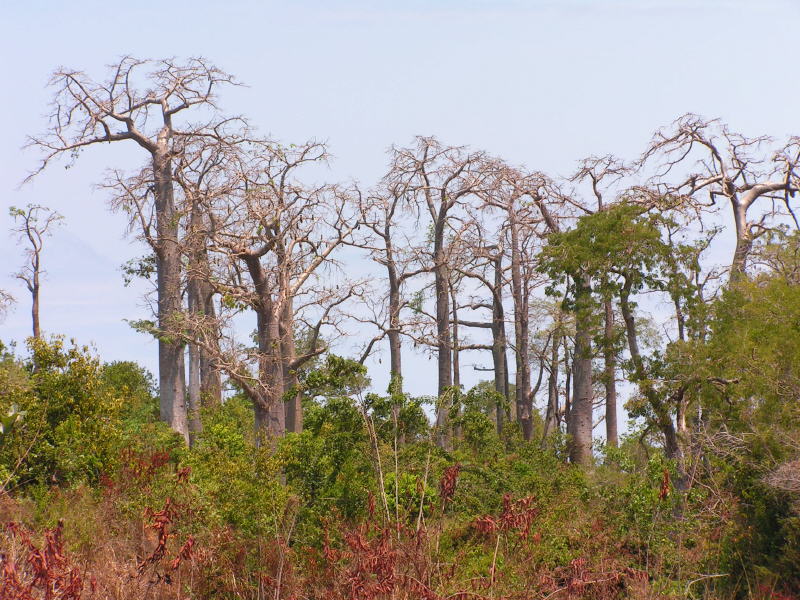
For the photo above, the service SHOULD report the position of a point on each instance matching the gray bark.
(171, 368)
(579, 424)
(610, 377)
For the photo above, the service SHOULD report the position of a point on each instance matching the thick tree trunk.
(610, 376)
(744, 241)
(270, 411)
(270, 416)
(579, 425)
(171, 367)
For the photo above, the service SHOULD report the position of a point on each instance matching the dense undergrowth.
(100, 500)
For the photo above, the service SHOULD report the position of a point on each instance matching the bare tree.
(140, 101)
(443, 177)
(273, 240)
(728, 166)
(387, 245)
(34, 223)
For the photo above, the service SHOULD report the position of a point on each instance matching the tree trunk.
(456, 366)
(672, 443)
(610, 376)
(444, 351)
(499, 358)
(205, 386)
(210, 380)
(521, 335)
(270, 416)
(194, 395)
(744, 241)
(171, 367)
(292, 406)
(579, 425)
(194, 383)
(37, 332)
(551, 416)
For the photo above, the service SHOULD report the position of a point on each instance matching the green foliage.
(749, 378)
(72, 430)
(474, 417)
(239, 483)
(623, 239)
(406, 493)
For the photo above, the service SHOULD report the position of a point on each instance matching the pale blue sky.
(542, 83)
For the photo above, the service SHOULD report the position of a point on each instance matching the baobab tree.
(387, 243)
(271, 239)
(727, 166)
(141, 102)
(443, 177)
(483, 241)
(603, 173)
(33, 225)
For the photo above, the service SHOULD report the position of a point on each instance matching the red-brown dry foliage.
(41, 573)
(447, 484)
(517, 516)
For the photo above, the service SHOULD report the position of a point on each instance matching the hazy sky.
(542, 83)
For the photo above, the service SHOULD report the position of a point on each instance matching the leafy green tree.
(72, 426)
(621, 252)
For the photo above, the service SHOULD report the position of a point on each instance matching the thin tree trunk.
(205, 386)
(456, 365)
(521, 335)
(210, 380)
(672, 444)
(194, 383)
(37, 332)
(293, 407)
(551, 416)
(567, 383)
(194, 395)
(499, 358)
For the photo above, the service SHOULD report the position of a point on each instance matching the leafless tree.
(33, 225)
(730, 166)
(443, 177)
(141, 101)
(381, 212)
(485, 245)
(273, 239)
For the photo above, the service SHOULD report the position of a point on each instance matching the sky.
(539, 83)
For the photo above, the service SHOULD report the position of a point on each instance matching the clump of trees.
(260, 265)
(465, 243)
